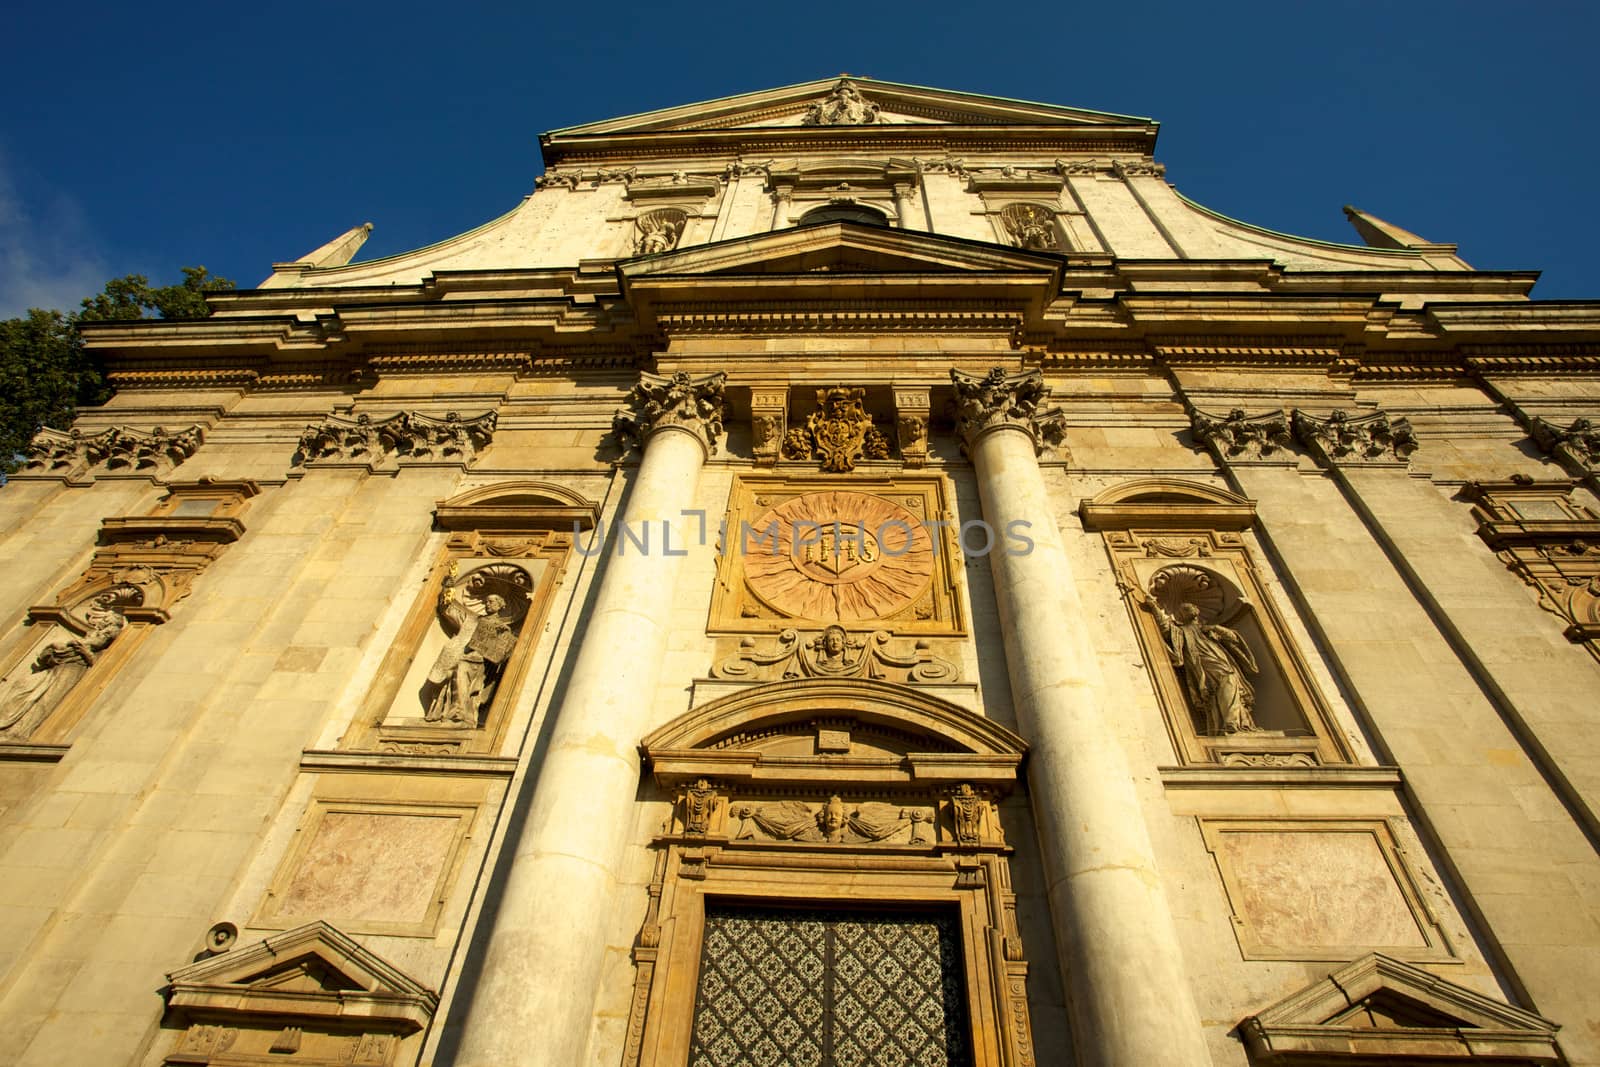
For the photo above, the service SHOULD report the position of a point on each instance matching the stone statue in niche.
(27, 699)
(483, 616)
(1213, 660)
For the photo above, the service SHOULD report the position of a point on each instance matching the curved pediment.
(522, 504)
(1150, 503)
(823, 728)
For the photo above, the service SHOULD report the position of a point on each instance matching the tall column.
(536, 991)
(1127, 990)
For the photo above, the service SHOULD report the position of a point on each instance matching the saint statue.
(468, 668)
(26, 701)
(1213, 662)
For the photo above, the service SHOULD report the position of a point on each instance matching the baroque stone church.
(850, 574)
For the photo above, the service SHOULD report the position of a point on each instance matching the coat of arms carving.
(838, 433)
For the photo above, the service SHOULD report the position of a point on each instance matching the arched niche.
(447, 684)
(821, 801)
(1233, 685)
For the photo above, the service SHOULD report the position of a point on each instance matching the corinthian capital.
(693, 404)
(1345, 440)
(1238, 437)
(999, 400)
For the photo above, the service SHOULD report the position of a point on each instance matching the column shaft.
(534, 1001)
(1128, 991)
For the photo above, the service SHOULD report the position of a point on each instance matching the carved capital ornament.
(999, 401)
(1247, 438)
(1342, 439)
(658, 402)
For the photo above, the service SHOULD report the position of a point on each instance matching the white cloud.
(48, 257)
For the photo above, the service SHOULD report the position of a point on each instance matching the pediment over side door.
(312, 993)
(1378, 1011)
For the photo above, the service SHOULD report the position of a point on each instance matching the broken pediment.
(311, 991)
(1379, 1010)
(850, 101)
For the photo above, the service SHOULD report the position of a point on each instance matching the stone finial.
(999, 399)
(1237, 436)
(1345, 440)
(693, 404)
(1578, 444)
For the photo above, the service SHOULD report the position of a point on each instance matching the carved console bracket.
(682, 401)
(1344, 440)
(72, 455)
(311, 994)
(911, 424)
(999, 400)
(769, 422)
(407, 437)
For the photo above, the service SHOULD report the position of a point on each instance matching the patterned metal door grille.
(781, 988)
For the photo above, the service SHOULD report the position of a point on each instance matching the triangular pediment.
(1378, 1009)
(312, 971)
(850, 101)
(843, 247)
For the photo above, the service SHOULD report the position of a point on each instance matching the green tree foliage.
(45, 371)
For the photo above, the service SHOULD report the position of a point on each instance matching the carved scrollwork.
(836, 653)
(1000, 399)
(838, 434)
(1138, 168)
(1344, 439)
(1237, 436)
(693, 404)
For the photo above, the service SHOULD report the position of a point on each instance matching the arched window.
(866, 216)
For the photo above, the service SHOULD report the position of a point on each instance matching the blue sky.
(235, 135)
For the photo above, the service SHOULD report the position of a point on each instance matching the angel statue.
(1213, 661)
(483, 617)
(26, 701)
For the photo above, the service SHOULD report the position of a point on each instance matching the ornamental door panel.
(808, 988)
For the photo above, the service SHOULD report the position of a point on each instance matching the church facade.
(846, 574)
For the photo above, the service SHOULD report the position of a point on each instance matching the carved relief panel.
(1233, 687)
(461, 655)
(861, 554)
